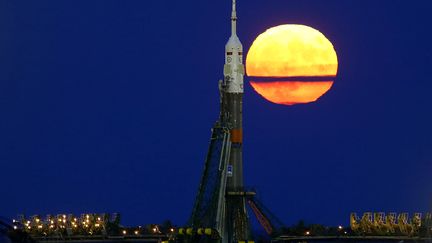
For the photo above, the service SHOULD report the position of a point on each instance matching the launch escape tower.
(219, 211)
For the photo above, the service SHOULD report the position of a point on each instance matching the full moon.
(291, 64)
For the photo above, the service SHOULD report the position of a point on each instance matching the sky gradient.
(106, 106)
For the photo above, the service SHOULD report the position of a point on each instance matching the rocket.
(231, 117)
(231, 91)
(221, 201)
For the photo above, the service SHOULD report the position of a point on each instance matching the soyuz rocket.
(220, 203)
(231, 117)
(231, 92)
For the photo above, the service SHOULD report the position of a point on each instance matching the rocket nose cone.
(234, 43)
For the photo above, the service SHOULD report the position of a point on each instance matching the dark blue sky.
(106, 106)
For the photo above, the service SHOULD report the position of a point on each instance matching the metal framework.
(209, 203)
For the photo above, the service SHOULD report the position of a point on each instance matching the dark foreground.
(359, 239)
(111, 239)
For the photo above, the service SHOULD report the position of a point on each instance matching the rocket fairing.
(234, 69)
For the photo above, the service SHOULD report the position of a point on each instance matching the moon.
(292, 64)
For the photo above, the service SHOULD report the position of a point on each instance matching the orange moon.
(291, 64)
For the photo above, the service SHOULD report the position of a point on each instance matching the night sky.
(106, 106)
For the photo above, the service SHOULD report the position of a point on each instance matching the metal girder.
(209, 208)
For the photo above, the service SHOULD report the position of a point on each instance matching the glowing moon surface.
(292, 64)
(292, 92)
